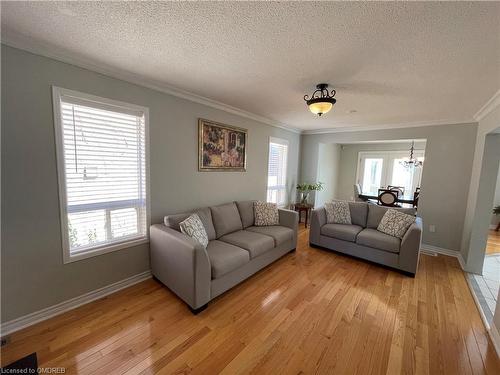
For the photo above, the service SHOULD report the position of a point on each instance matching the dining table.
(408, 199)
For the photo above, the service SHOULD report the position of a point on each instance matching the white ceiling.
(393, 63)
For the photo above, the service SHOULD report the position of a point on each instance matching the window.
(103, 173)
(380, 169)
(276, 171)
(372, 175)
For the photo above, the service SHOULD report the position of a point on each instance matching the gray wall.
(473, 235)
(328, 172)
(446, 175)
(349, 163)
(484, 202)
(33, 274)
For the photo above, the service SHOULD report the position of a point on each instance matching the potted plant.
(496, 211)
(305, 188)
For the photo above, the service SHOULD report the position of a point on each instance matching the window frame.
(388, 158)
(284, 142)
(58, 94)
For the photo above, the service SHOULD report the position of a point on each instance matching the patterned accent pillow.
(193, 227)
(338, 212)
(266, 214)
(395, 223)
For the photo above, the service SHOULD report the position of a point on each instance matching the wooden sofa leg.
(199, 309)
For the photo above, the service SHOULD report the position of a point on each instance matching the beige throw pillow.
(193, 227)
(395, 223)
(266, 214)
(338, 212)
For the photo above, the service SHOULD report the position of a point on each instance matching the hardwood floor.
(313, 311)
(493, 243)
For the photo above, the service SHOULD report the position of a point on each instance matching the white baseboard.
(476, 301)
(492, 330)
(49, 312)
(493, 226)
(443, 251)
(495, 338)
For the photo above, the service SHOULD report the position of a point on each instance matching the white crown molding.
(51, 311)
(347, 129)
(489, 106)
(22, 42)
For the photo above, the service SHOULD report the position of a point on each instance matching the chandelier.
(321, 101)
(412, 162)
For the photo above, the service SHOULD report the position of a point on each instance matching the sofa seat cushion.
(378, 240)
(346, 232)
(225, 257)
(255, 243)
(279, 233)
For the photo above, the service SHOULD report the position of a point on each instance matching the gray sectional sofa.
(363, 240)
(236, 250)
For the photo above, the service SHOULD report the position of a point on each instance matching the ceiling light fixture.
(412, 162)
(321, 100)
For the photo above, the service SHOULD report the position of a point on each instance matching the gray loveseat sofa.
(363, 240)
(236, 250)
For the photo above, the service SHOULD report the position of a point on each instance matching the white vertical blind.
(276, 175)
(104, 149)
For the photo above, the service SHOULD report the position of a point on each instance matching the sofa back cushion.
(205, 215)
(375, 214)
(359, 213)
(246, 211)
(173, 221)
(226, 219)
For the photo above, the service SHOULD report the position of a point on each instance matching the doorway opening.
(486, 284)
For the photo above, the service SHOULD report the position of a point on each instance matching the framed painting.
(221, 147)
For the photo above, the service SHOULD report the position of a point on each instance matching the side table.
(301, 207)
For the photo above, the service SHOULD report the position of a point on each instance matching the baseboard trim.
(495, 338)
(492, 330)
(443, 251)
(51, 311)
(476, 301)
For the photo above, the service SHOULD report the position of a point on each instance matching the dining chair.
(357, 192)
(400, 189)
(388, 197)
(416, 196)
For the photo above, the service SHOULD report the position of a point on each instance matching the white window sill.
(104, 249)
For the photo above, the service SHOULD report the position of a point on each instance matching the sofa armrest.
(410, 247)
(318, 219)
(290, 219)
(181, 263)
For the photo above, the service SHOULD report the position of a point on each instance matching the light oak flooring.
(312, 311)
(493, 243)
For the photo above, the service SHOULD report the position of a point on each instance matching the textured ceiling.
(391, 63)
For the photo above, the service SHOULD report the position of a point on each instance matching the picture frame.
(221, 148)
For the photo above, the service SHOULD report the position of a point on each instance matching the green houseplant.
(305, 188)
(496, 211)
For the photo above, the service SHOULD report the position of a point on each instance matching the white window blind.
(103, 183)
(276, 176)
